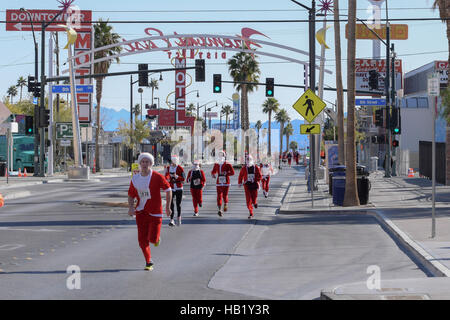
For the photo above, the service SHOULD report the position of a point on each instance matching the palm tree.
(154, 84)
(281, 117)
(226, 110)
(22, 82)
(258, 127)
(288, 131)
(339, 86)
(351, 194)
(190, 109)
(103, 36)
(244, 67)
(12, 92)
(269, 106)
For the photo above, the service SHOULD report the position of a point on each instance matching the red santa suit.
(175, 176)
(250, 175)
(197, 180)
(223, 171)
(266, 172)
(149, 212)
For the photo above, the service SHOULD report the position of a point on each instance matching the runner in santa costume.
(175, 176)
(266, 171)
(197, 180)
(146, 187)
(223, 170)
(250, 175)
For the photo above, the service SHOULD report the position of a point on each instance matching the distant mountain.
(111, 117)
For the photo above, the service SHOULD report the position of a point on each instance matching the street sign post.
(433, 92)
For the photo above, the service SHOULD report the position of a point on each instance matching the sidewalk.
(403, 208)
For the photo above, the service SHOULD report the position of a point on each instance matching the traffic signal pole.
(387, 166)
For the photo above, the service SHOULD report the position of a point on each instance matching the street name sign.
(310, 128)
(17, 20)
(65, 88)
(309, 105)
(433, 85)
(370, 102)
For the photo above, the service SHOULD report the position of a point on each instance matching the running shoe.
(171, 223)
(158, 242)
(149, 266)
(200, 205)
(250, 216)
(196, 214)
(179, 221)
(225, 207)
(256, 205)
(220, 213)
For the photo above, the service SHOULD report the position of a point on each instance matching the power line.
(236, 21)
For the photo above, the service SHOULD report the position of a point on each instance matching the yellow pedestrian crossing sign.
(309, 105)
(310, 128)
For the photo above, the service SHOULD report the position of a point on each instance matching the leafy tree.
(21, 82)
(11, 92)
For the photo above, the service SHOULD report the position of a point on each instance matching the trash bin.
(363, 189)
(2, 168)
(334, 171)
(363, 184)
(338, 190)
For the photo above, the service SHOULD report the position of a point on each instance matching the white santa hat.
(174, 159)
(146, 155)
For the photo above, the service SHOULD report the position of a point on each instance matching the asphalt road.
(207, 257)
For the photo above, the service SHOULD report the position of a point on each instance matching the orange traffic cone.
(410, 173)
(25, 172)
(20, 173)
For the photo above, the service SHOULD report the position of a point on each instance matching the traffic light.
(396, 121)
(395, 143)
(200, 70)
(44, 117)
(34, 87)
(143, 76)
(379, 117)
(373, 80)
(31, 83)
(217, 83)
(29, 125)
(269, 87)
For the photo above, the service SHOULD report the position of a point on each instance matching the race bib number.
(196, 182)
(251, 177)
(144, 194)
(222, 179)
(265, 171)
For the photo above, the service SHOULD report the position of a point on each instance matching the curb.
(436, 268)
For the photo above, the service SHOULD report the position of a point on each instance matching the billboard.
(367, 69)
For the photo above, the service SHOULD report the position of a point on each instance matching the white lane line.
(10, 247)
(34, 230)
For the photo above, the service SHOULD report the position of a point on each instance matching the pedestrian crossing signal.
(269, 87)
(395, 143)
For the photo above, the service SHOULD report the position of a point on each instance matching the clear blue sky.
(427, 42)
